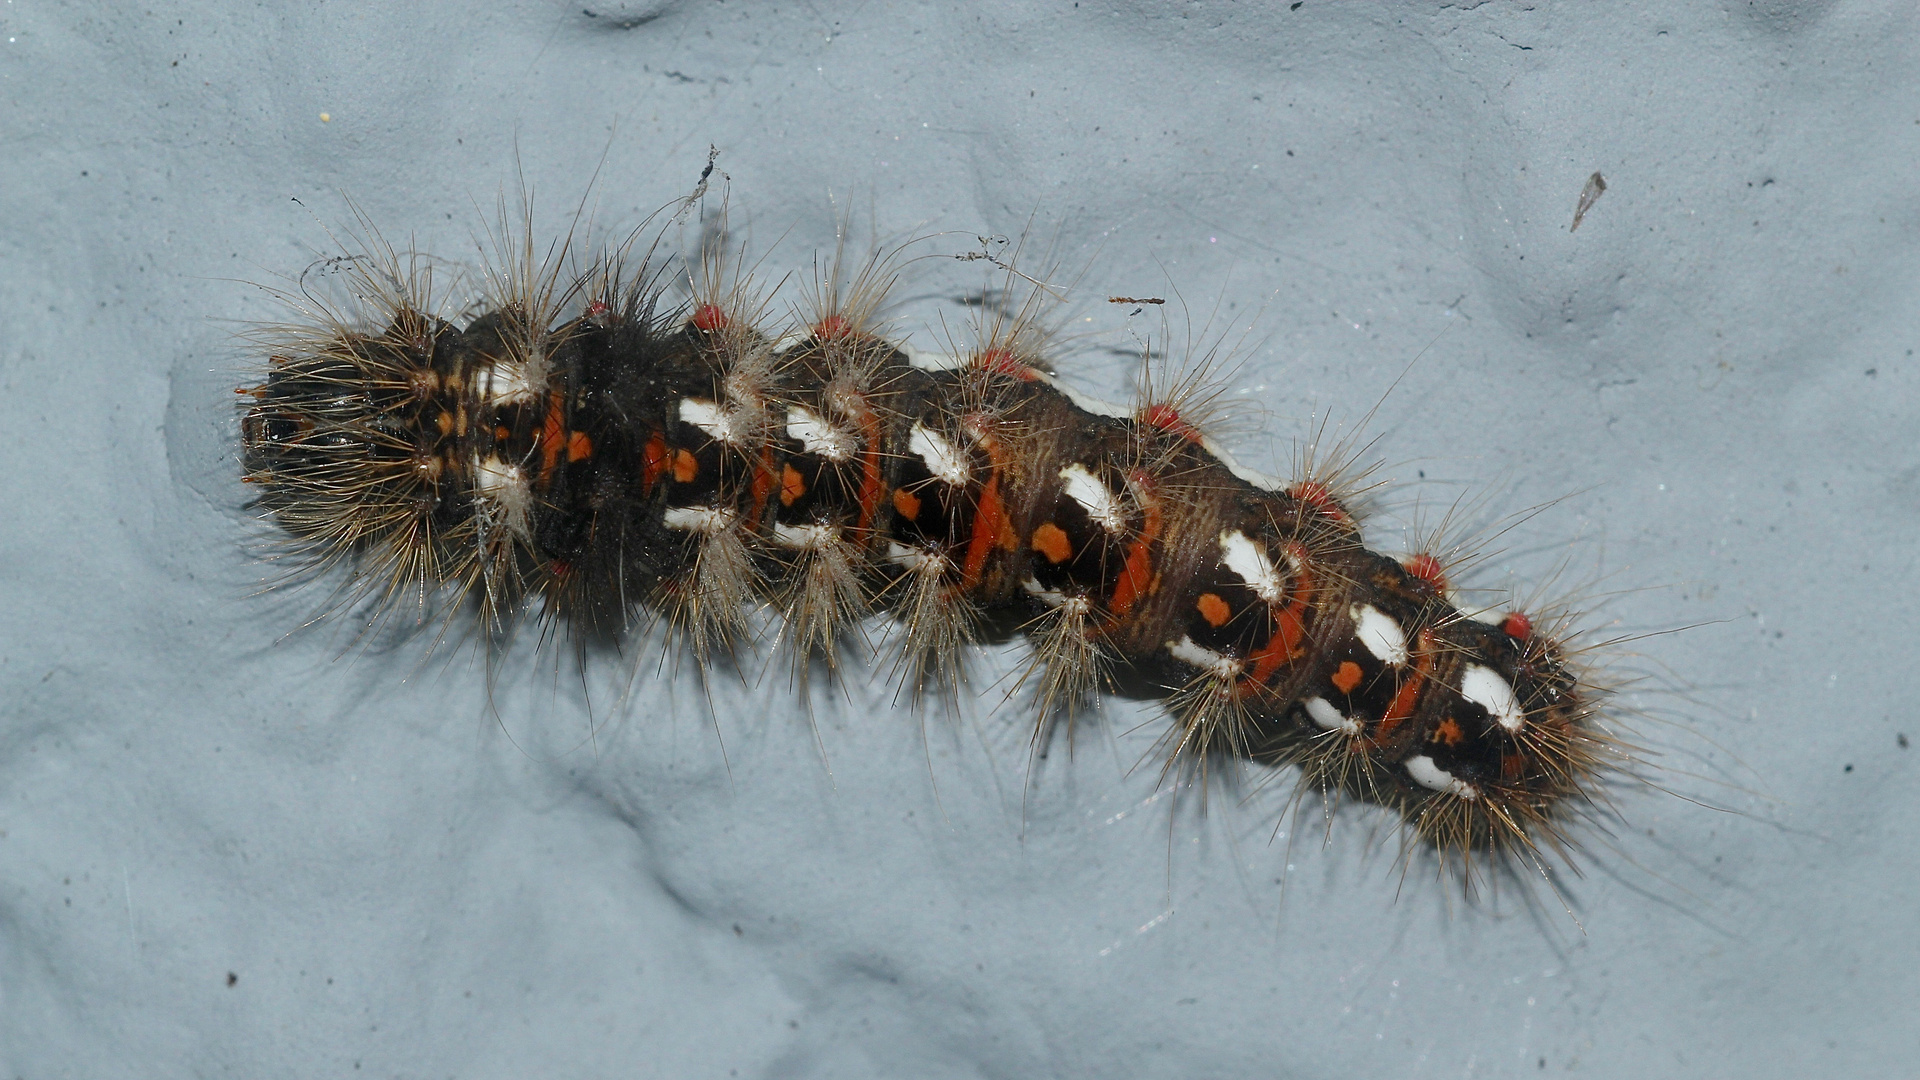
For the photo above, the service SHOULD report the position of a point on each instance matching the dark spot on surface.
(737, 932)
(1847, 769)
(1901, 739)
(232, 978)
(626, 14)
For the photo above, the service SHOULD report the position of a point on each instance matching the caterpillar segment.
(628, 461)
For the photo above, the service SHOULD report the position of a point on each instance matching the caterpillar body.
(583, 449)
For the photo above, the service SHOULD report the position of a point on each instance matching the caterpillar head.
(350, 440)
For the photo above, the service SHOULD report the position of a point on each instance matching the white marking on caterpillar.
(700, 519)
(1428, 775)
(504, 488)
(720, 424)
(1187, 652)
(930, 361)
(918, 560)
(1484, 687)
(1094, 497)
(1491, 616)
(1324, 714)
(504, 382)
(1379, 633)
(1049, 597)
(818, 436)
(1072, 606)
(1249, 560)
(1263, 481)
(805, 537)
(944, 461)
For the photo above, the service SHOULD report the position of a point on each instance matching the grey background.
(1711, 385)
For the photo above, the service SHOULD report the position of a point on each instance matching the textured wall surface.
(231, 848)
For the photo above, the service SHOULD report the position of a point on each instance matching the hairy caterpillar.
(582, 450)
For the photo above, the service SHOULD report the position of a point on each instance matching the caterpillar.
(579, 449)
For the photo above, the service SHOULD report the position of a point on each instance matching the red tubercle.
(1315, 494)
(1002, 362)
(1164, 417)
(1427, 569)
(832, 328)
(708, 318)
(596, 309)
(1517, 626)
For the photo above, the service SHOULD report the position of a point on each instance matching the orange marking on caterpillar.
(1408, 696)
(685, 467)
(870, 485)
(1289, 638)
(1214, 610)
(990, 521)
(654, 462)
(763, 484)
(1050, 540)
(1137, 577)
(1346, 676)
(579, 446)
(552, 438)
(1448, 731)
(906, 504)
(792, 485)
